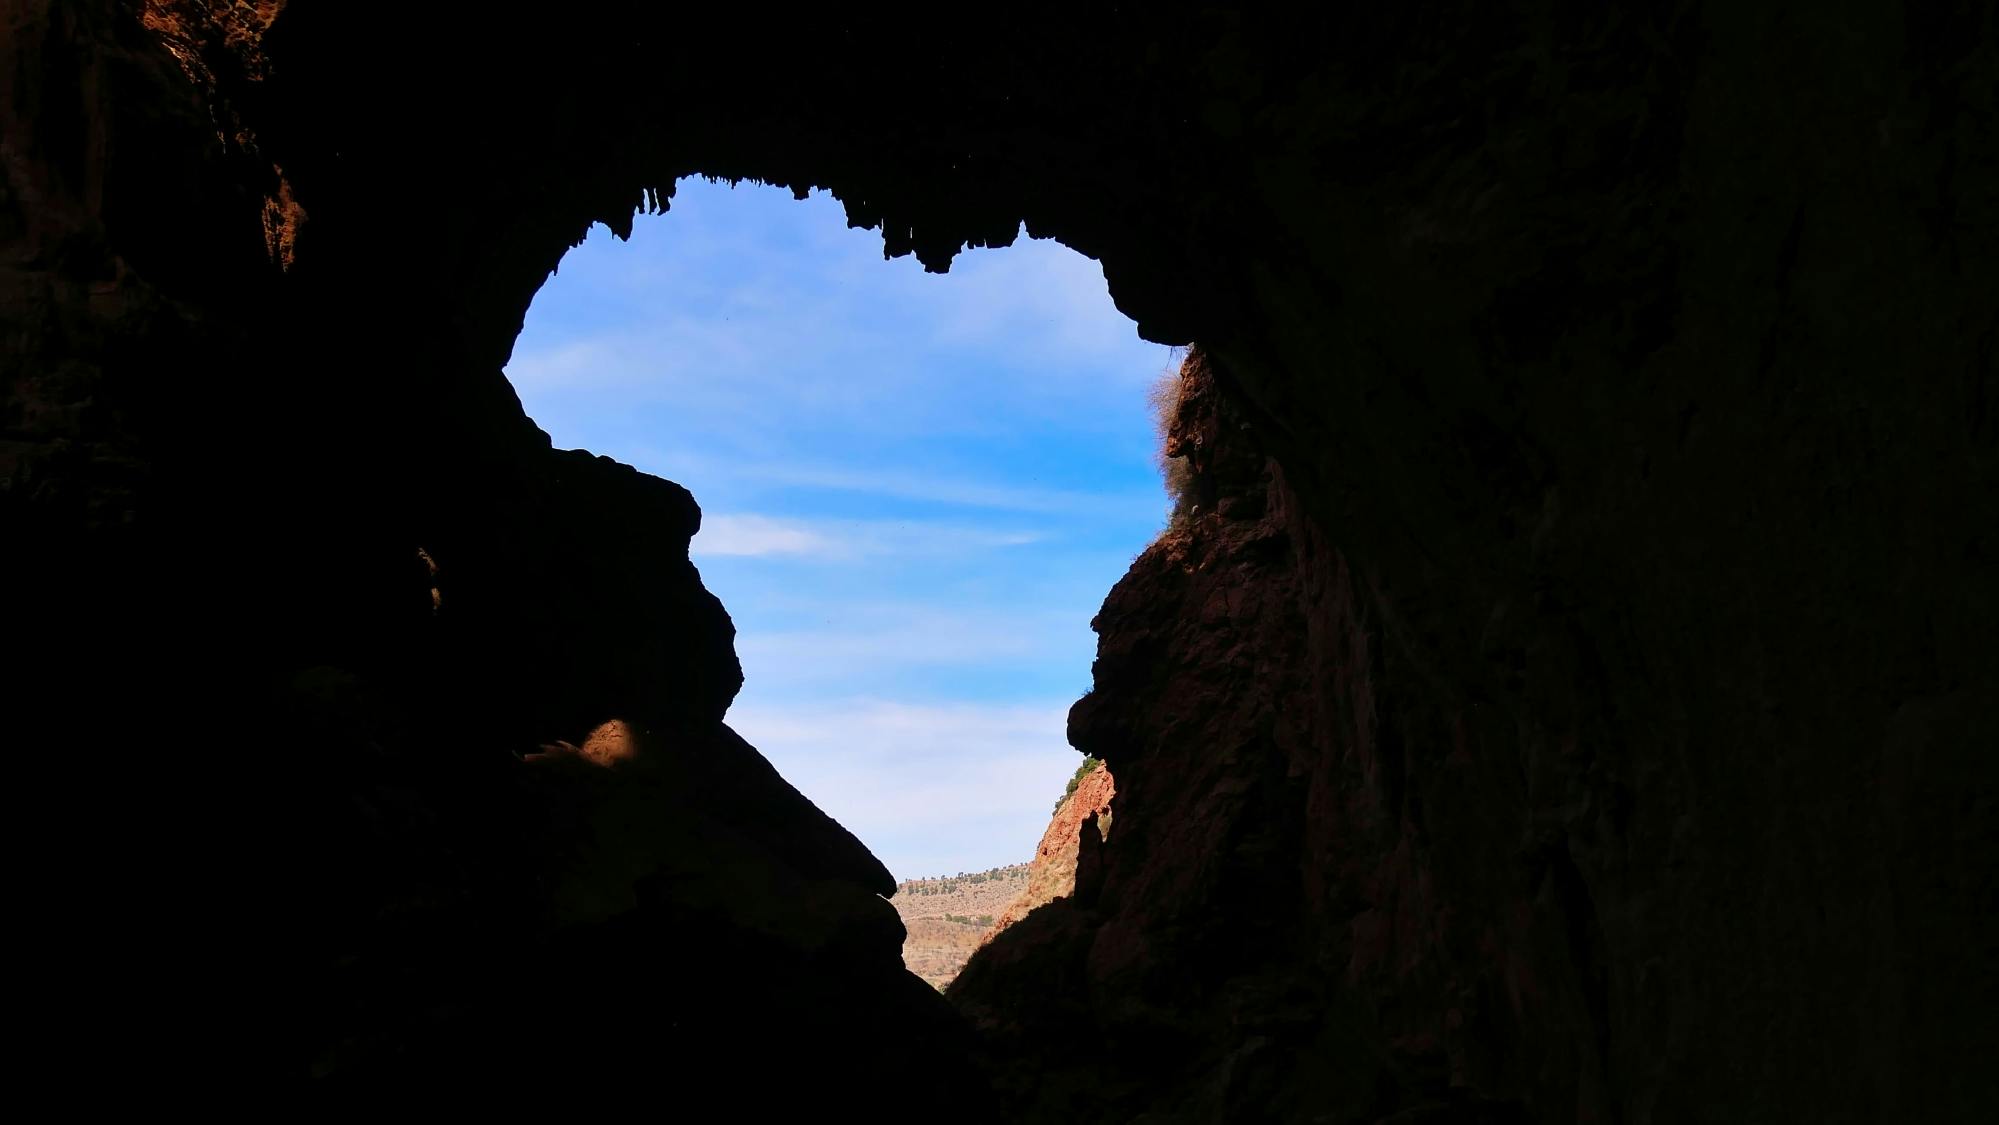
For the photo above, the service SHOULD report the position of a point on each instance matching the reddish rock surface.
(1052, 872)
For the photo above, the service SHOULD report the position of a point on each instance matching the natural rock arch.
(1578, 717)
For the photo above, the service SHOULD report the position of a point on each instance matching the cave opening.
(915, 489)
(1571, 701)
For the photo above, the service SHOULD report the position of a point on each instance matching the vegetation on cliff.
(1176, 468)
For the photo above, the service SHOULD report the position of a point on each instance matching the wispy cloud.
(833, 540)
(1039, 294)
(932, 789)
(942, 490)
(1120, 500)
(757, 535)
(883, 643)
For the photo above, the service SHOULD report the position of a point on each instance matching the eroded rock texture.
(1052, 872)
(1576, 703)
(1285, 928)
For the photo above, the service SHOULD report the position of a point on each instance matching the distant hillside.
(948, 916)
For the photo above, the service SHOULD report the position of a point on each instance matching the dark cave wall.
(284, 836)
(1338, 892)
(1647, 517)
(1624, 376)
(1617, 436)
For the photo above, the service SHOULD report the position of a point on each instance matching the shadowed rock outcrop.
(1584, 657)
(1294, 922)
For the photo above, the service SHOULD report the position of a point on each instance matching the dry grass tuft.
(1165, 396)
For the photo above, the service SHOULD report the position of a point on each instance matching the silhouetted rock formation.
(1584, 646)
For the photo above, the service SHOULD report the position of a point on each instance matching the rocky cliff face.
(1246, 947)
(1583, 661)
(1327, 898)
(1052, 872)
(948, 925)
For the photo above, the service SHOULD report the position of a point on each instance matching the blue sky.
(916, 490)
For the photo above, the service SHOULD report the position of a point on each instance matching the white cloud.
(1042, 297)
(691, 467)
(666, 359)
(838, 540)
(758, 535)
(932, 640)
(931, 788)
(938, 489)
(852, 646)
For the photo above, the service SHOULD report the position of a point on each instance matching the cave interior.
(1564, 705)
